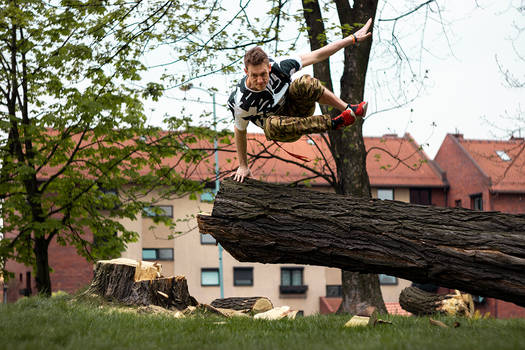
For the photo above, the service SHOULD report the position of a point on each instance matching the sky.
(466, 87)
(464, 90)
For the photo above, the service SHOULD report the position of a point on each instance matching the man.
(267, 97)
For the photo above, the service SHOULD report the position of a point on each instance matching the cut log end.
(419, 302)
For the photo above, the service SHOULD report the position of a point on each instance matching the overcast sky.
(464, 83)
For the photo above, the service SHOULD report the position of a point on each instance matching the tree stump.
(482, 253)
(245, 304)
(419, 302)
(139, 283)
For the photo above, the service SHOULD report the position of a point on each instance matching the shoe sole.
(365, 107)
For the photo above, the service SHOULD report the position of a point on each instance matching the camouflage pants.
(295, 118)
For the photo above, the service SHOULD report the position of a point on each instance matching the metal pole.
(215, 147)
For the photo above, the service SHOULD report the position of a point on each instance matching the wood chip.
(437, 323)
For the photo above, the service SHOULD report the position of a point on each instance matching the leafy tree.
(346, 147)
(76, 152)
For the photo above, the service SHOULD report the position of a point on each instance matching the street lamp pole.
(216, 148)
(217, 182)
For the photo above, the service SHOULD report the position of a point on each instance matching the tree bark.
(119, 280)
(482, 253)
(43, 278)
(358, 289)
(419, 302)
(250, 304)
(347, 148)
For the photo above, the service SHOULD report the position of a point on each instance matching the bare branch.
(406, 13)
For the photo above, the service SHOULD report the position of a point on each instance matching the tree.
(346, 148)
(75, 149)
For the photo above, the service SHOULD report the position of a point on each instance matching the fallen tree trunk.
(478, 252)
(247, 304)
(139, 283)
(419, 302)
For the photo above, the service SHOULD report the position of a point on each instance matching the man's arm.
(324, 52)
(241, 143)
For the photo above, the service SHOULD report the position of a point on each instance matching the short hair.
(255, 57)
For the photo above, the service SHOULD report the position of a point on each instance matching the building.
(486, 175)
(398, 170)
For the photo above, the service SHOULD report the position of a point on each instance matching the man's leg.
(329, 98)
(296, 119)
(290, 129)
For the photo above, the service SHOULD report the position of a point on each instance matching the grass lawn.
(61, 323)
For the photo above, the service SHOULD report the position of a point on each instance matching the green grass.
(61, 323)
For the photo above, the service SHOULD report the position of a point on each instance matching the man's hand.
(363, 34)
(324, 52)
(241, 173)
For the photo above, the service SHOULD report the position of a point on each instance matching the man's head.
(257, 69)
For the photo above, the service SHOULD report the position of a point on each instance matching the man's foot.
(359, 110)
(344, 119)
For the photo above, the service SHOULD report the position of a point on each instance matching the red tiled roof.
(396, 309)
(505, 175)
(392, 161)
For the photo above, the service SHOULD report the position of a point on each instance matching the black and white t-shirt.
(249, 105)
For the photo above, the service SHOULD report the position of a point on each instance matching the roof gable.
(506, 170)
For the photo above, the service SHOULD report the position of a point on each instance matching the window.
(504, 156)
(292, 280)
(457, 203)
(386, 280)
(385, 193)
(334, 291)
(159, 210)
(420, 196)
(476, 202)
(206, 238)
(243, 276)
(157, 254)
(209, 277)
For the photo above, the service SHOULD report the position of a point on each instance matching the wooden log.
(246, 304)
(119, 280)
(482, 253)
(419, 302)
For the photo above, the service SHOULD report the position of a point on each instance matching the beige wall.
(134, 250)
(190, 256)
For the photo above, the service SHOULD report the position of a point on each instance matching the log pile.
(252, 305)
(482, 253)
(141, 283)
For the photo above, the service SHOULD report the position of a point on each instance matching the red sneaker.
(359, 110)
(344, 119)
